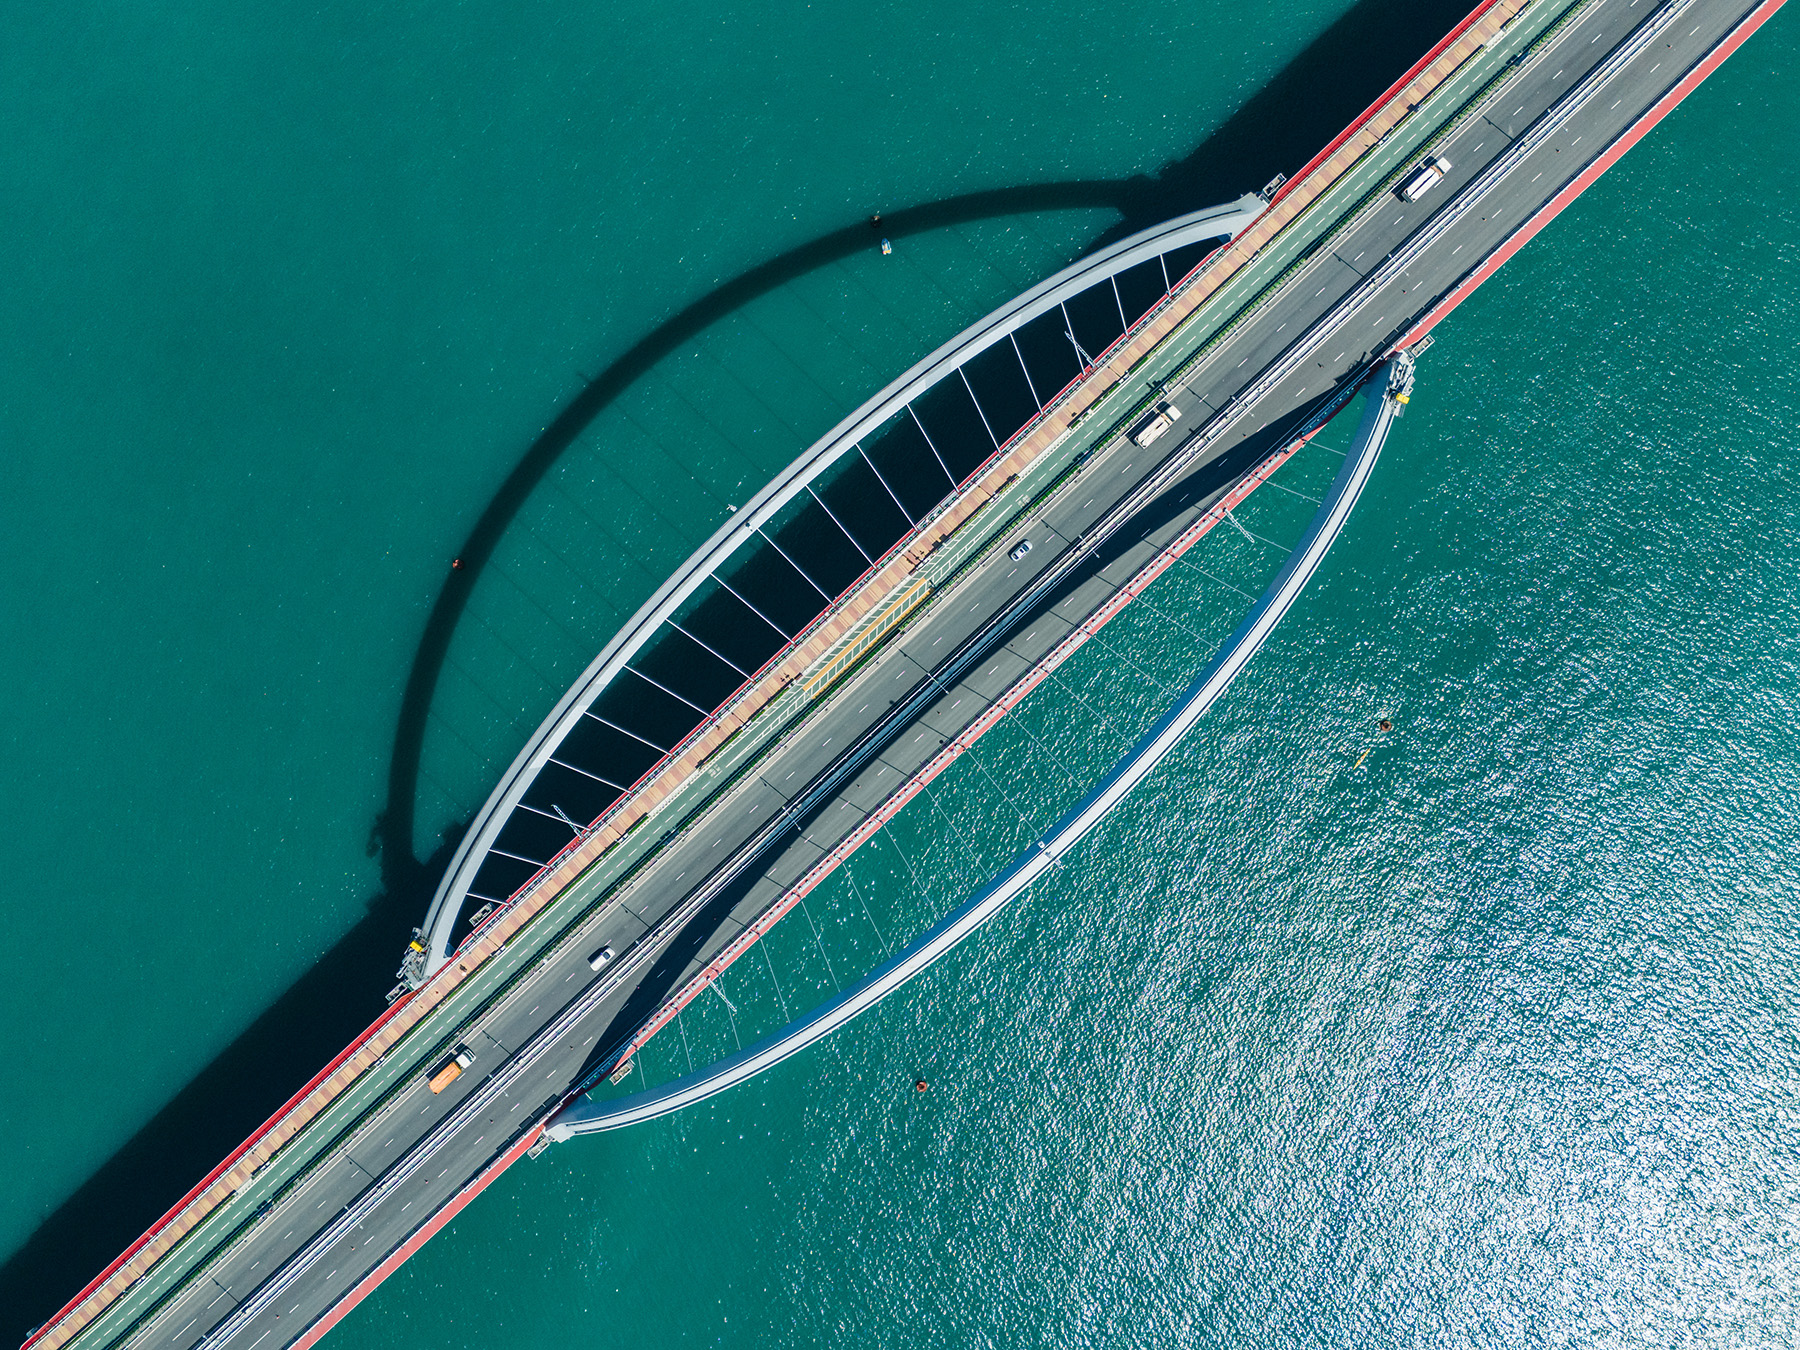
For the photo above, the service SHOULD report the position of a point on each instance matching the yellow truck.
(451, 1070)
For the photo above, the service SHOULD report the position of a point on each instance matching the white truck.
(1161, 418)
(1424, 178)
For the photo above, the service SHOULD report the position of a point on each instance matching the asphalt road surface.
(439, 1171)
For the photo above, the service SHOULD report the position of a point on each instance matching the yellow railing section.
(909, 600)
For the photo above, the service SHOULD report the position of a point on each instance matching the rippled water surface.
(1477, 1032)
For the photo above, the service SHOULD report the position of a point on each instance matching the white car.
(599, 959)
(1020, 549)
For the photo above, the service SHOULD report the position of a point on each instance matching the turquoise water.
(1486, 1039)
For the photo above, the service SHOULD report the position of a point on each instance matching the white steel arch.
(1216, 222)
(584, 1117)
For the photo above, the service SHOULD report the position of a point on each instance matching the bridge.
(855, 628)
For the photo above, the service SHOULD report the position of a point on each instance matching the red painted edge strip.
(425, 1233)
(1610, 156)
(231, 1161)
(1380, 103)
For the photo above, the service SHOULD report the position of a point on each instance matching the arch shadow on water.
(1339, 73)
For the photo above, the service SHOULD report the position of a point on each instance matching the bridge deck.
(369, 1114)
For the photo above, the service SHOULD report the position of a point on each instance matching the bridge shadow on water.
(1339, 74)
